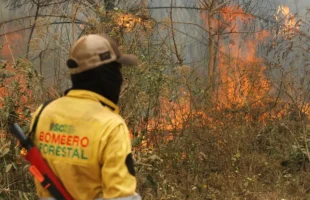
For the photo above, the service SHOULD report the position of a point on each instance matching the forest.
(218, 106)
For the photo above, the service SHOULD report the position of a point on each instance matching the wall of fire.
(191, 40)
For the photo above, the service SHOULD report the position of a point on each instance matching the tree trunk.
(211, 51)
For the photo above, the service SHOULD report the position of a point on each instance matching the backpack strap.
(33, 128)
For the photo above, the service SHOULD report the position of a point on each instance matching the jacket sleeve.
(117, 170)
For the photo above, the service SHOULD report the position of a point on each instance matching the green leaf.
(8, 168)
(4, 152)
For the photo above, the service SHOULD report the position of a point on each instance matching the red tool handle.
(49, 181)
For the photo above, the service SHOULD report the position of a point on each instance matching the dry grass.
(247, 164)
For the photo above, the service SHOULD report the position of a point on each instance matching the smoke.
(296, 6)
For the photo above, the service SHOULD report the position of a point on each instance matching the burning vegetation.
(287, 20)
(243, 89)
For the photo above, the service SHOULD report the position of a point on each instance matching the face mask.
(110, 81)
(105, 80)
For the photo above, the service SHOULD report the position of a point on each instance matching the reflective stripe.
(134, 197)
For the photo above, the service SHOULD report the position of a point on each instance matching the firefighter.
(81, 135)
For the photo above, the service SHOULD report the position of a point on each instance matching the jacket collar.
(93, 96)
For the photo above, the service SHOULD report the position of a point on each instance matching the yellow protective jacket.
(87, 144)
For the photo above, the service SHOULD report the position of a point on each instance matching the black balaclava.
(105, 80)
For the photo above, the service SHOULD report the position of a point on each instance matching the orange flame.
(241, 72)
(241, 76)
(285, 17)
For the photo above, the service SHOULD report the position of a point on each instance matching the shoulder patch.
(130, 164)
